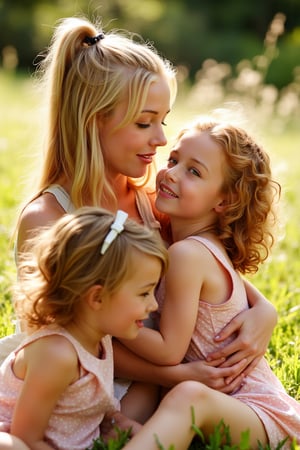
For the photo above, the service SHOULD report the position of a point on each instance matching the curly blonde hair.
(245, 226)
(65, 261)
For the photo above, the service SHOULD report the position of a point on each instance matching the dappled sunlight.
(219, 83)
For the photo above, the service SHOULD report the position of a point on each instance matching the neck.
(88, 337)
(126, 197)
(181, 229)
(119, 185)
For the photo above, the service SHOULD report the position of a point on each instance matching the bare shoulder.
(188, 249)
(188, 255)
(57, 351)
(46, 353)
(39, 213)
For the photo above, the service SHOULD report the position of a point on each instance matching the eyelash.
(147, 125)
(195, 172)
(172, 161)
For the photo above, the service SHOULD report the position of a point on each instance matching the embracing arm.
(254, 328)
(168, 348)
(131, 366)
(180, 309)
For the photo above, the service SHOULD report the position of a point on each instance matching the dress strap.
(61, 196)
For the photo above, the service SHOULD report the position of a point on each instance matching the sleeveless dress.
(9, 343)
(75, 420)
(262, 391)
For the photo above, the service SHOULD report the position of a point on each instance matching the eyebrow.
(192, 159)
(200, 163)
(151, 111)
(149, 285)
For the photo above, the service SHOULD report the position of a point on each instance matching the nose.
(159, 138)
(170, 174)
(152, 305)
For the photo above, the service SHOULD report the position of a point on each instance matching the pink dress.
(262, 391)
(75, 420)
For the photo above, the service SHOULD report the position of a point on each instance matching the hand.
(253, 332)
(117, 420)
(226, 380)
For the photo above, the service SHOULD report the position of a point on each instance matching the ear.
(93, 297)
(100, 120)
(220, 207)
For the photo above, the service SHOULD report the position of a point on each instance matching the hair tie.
(93, 40)
(115, 229)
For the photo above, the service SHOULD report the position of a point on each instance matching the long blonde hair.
(82, 81)
(65, 261)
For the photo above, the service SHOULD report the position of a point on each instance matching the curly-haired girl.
(219, 194)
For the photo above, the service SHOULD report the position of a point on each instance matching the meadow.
(272, 114)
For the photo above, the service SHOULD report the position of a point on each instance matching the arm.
(47, 367)
(129, 365)
(254, 328)
(180, 309)
(183, 317)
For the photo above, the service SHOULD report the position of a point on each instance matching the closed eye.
(143, 125)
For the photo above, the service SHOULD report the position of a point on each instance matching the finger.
(240, 357)
(230, 373)
(252, 365)
(228, 351)
(235, 385)
(221, 378)
(216, 362)
(233, 326)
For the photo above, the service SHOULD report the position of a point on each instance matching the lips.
(165, 191)
(140, 323)
(147, 157)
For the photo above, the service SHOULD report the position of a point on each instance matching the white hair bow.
(115, 229)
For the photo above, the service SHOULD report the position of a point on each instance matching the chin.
(131, 335)
(161, 206)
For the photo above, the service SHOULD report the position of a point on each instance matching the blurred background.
(187, 32)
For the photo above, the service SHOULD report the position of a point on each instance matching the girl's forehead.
(195, 138)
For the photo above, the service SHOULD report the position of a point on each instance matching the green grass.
(278, 279)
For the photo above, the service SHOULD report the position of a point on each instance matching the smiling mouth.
(147, 157)
(163, 188)
(140, 323)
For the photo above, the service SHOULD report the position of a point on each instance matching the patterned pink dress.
(262, 390)
(75, 420)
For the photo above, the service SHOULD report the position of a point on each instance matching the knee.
(189, 392)
(10, 442)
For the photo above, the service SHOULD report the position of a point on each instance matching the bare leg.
(140, 401)
(9, 442)
(171, 423)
